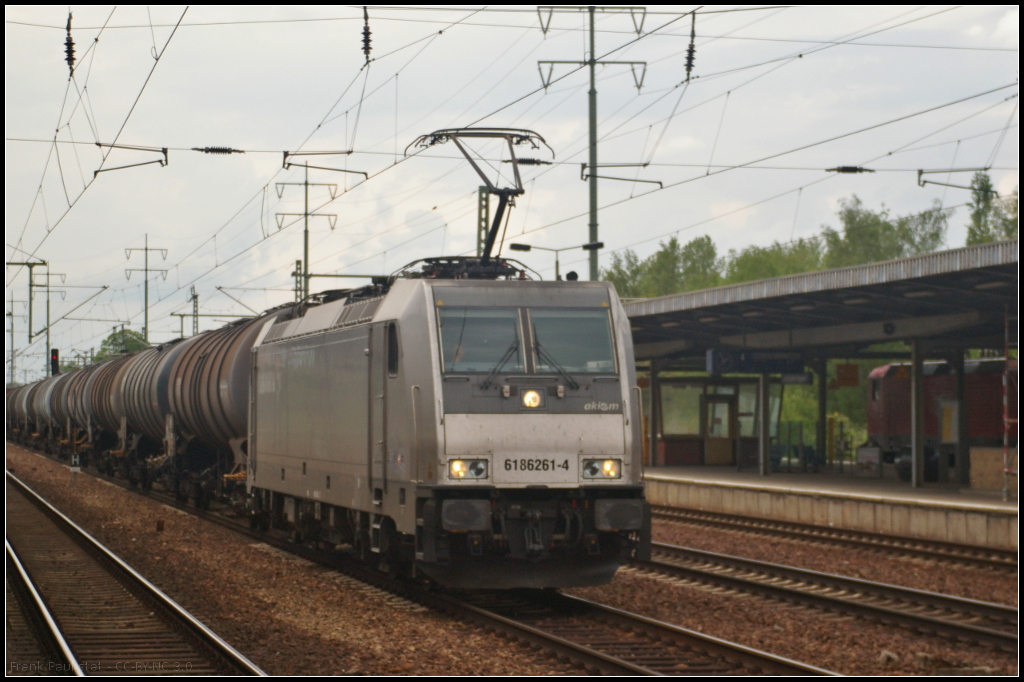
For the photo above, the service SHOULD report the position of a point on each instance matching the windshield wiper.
(512, 349)
(544, 355)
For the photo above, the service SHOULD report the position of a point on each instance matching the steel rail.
(647, 646)
(930, 612)
(39, 618)
(136, 584)
(984, 557)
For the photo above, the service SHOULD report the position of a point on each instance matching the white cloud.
(1008, 29)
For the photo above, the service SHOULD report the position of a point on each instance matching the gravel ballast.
(288, 615)
(922, 574)
(839, 643)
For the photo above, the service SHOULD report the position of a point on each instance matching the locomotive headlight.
(602, 468)
(467, 468)
(531, 399)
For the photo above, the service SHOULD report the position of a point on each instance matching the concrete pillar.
(963, 444)
(820, 437)
(655, 414)
(764, 463)
(917, 412)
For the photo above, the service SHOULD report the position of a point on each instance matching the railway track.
(600, 638)
(928, 612)
(946, 552)
(90, 612)
(614, 642)
(31, 648)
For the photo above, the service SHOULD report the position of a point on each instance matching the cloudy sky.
(777, 95)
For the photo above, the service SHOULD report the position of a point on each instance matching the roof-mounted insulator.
(69, 49)
(849, 169)
(529, 162)
(691, 51)
(218, 150)
(366, 34)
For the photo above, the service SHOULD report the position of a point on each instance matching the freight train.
(457, 421)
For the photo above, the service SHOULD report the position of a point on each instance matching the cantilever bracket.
(586, 176)
(160, 150)
(921, 182)
(287, 164)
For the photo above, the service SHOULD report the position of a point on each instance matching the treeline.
(863, 236)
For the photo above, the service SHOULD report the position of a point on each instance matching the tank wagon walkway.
(713, 365)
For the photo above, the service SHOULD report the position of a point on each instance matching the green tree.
(991, 217)
(1005, 218)
(671, 269)
(980, 228)
(701, 266)
(864, 236)
(120, 342)
(624, 273)
(662, 272)
(868, 236)
(777, 260)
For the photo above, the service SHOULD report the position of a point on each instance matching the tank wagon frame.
(479, 431)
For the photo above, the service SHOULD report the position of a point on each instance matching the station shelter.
(947, 309)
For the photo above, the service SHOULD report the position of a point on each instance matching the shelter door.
(719, 429)
(378, 410)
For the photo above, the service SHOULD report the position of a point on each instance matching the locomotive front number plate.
(548, 469)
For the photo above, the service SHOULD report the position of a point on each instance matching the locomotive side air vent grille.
(275, 332)
(353, 314)
(342, 316)
(359, 312)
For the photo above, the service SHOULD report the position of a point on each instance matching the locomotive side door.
(377, 474)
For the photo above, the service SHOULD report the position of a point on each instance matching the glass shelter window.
(480, 339)
(680, 409)
(579, 341)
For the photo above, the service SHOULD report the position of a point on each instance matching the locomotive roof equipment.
(513, 137)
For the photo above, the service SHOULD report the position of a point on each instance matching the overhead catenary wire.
(1002, 136)
(235, 256)
(60, 117)
(118, 135)
(775, 196)
(346, 200)
(609, 135)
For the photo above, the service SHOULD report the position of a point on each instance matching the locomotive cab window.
(392, 350)
(579, 341)
(481, 339)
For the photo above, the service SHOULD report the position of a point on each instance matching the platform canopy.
(949, 301)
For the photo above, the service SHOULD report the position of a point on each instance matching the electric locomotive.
(485, 433)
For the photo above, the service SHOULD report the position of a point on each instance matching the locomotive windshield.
(480, 339)
(578, 341)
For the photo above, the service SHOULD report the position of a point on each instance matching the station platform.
(933, 512)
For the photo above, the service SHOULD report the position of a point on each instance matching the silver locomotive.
(484, 433)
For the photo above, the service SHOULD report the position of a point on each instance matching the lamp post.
(592, 246)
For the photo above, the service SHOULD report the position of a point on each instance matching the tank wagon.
(461, 423)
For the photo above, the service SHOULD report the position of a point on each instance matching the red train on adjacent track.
(889, 406)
